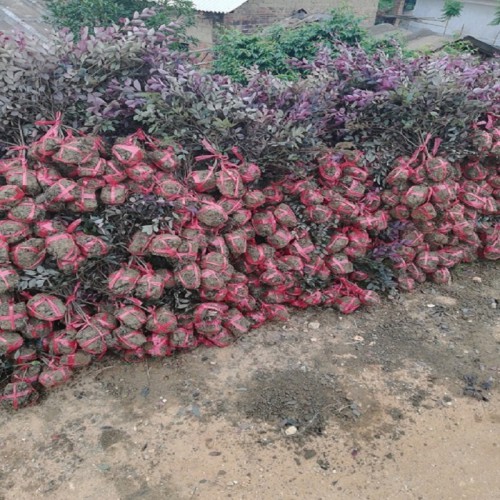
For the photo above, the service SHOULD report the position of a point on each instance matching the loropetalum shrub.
(73, 76)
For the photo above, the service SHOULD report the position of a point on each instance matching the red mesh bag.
(45, 228)
(389, 198)
(494, 181)
(63, 190)
(161, 321)
(188, 251)
(61, 342)
(211, 280)
(91, 246)
(272, 277)
(236, 242)
(141, 172)
(150, 286)
(285, 216)
(449, 256)
(218, 243)
(254, 199)
(54, 377)
(222, 339)
(281, 238)
(158, 346)
(212, 215)
(472, 200)
(347, 305)
(424, 212)
(105, 320)
(215, 261)
(61, 246)
(27, 373)
(94, 168)
(330, 171)
(406, 284)
(183, 338)
(27, 211)
(354, 172)
(371, 201)
(23, 179)
(189, 276)
(18, 395)
(400, 212)
(339, 264)
(46, 307)
(8, 279)
(10, 342)
(235, 322)
(213, 295)
(249, 172)
(13, 316)
(86, 200)
(230, 205)
(341, 206)
(114, 173)
(114, 194)
(399, 175)
(369, 298)
(76, 151)
(354, 191)
(310, 197)
(37, 329)
(492, 250)
(229, 183)
(77, 359)
(47, 176)
(337, 243)
(308, 299)
(319, 214)
(127, 154)
(123, 281)
(165, 159)
(4, 252)
(169, 189)
(427, 261)
(474, 171)
(165, 245)
(442, 276)
(490, 207)
(241, 217)
(129, 339)
(264, 223)
(273, 296)
(317, 267)
(13, 232)
(28, 254)
(416, 196)
(255, 254)
(248, 304)
(359, 237)
(71, 264)
(273, 194)
(418, 175)
(92, 339)
(140, 242)
(10, 196)
(202, 181)
(131, 316)
(438, 169)
(256, 318)
(303, 248)
(443, 193)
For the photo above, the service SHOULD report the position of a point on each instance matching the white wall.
(474, 20)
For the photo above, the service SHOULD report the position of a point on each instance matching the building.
(474, 20)
(249, 15)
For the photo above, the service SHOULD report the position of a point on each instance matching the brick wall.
(256, 13)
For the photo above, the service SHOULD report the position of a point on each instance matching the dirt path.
(370, 406)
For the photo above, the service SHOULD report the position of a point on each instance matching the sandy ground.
(397, 402)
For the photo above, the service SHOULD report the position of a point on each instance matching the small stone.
(314, 325)
(477, 279)
(431, 305)
(291, 431)
(358, 338)
(494, 304)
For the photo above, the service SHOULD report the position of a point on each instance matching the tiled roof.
(219, 6)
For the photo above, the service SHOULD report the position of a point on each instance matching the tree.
(496, 21)
(451, 8)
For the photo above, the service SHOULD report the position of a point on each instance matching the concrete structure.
(249, 15)
(24, 15)
(475, 19)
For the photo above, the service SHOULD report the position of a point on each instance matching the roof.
(219, 6)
